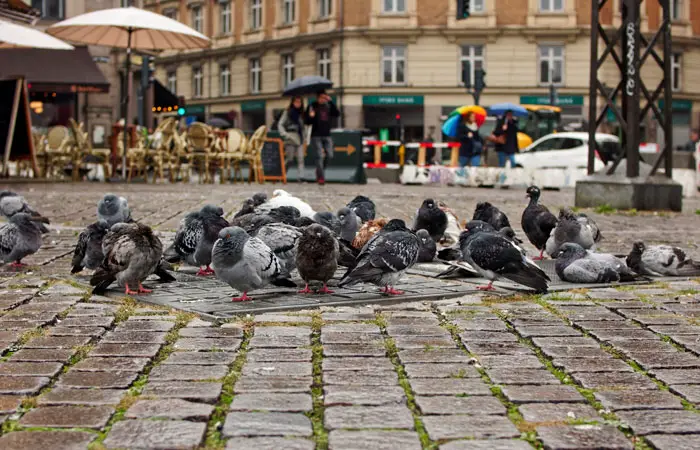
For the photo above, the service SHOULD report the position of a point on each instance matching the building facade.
(407, 58)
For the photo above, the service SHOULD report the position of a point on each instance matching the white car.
(566, 150)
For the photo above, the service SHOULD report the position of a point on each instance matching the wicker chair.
(230, 160)
(253, 154)
(200, 142)
(58, 150)
(83, 148)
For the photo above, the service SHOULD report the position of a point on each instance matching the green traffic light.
(181, 111)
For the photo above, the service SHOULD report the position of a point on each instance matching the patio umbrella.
(452, 123)
(309, 84)
(500, 109)
(17, 36)
(218, 122)
(133, 29)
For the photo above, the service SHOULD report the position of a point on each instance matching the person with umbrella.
(291, 128)
(506, 139)
(319, 115)
(471, 143)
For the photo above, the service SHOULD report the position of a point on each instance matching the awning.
(54, 70)
(163, 97)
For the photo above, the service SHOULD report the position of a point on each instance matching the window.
(551, 5)
(170, 13)
(547, 145)
(287, 69)
(676, 9)
(255, 14)
(551, 64)
(172, 82)
(197, 18)
(472, 58)
(324, 8)
(197, 82)
(224, 79)
(255, 76)
(394, 64)
(323, 58)
(50, 9)
(476, 6)
(288, 11)
(676, 60)
(225, 17)
(394, 6)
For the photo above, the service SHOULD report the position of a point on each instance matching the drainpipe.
(341, 20)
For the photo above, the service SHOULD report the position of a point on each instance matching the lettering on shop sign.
(631, 84)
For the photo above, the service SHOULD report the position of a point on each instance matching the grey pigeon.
(282, 240)
(248, 207)
(661, 260)
(495, 257)
(132, 252)
(432, 219)
(259, 198)
(317, 257)
(578, 265)
(251, 223)
(579, 229)
(196, 236)
(385, 257)
(349, 224)
(428, 248)
(113, 209)
(328, 220)
(537, 221)
(12, 203)
(20, 237)
(88, 251)
(363, 207)
(488, 213)
(245, 263)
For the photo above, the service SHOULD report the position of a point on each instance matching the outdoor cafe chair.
(200, 141)
(58, 150)
(231, 160)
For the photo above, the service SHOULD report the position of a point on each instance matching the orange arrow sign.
(350, 149)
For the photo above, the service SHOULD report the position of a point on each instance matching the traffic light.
(181, 111)
(553, 94)
(463, 9)
(479, 79)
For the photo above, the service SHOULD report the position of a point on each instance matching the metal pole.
(341, 20)
(668, 94)
(143, 89)
(125, 104)
(592, 88)
(632, 82)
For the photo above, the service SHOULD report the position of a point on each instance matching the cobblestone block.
(446, 405)
(367, 365)
(450, 386)
(270, 443)
(208, 344)
(42, 355)
(487, 336)
(423, 342)
(678, 360)
(67, 417)
(350, 328)
(565, 341)
(207, 392)
(363, 395)
(279, 355)
(435, 355)
(135, 337)
(497, 348)
(37, 369)
(520, 361)
(373, 440)
(201, 358)
(690, 392)
(266, 424)
(57, 342)
(475, 427)
(337, 417)
(92, 397)
(557, 412)
(130, 350)
(542, 394)
(146, 325)
(172, 409)
(532, 331)
(22, 385)
(342, 378)
(254, 383)
(54, 440)
(501, 444)
(187, 372)
(574, 365)
(672, 441)
(211, 332)
(100, 380)
(441, 370)
(638, 399)
(359, 350)
(670, 421)
(105, 322)
(101, 364)
(350, 338)
(581, 437)
(276, 369)
(613, 381)
(76, 331)
(272, 402)
(9, 403)
(574, 352)
(676, 376)
(155, 434)
(521, 376)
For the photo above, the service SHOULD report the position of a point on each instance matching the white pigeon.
(281, 197)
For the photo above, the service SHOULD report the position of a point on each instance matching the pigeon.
(317, 257)
(282, 240)
(495, 257)
(578, 265)
(661, 260)
(348, 224)
(20, 237)
(328, 220)
(488, 213)
(259, 198)
(132, 252)
(196, 235)
(245, 263)
(363, 207)
(88, 251)
(454, 257)
(251, 223)
(385, 258)
(12, 203)
(581, 230)
(428, 248)
(508, 233)
(367, 230)
(432, 219)
(537, 221)
(283, 198)
(248, 207)
(347, 254)
(113, 209)
(451, 236)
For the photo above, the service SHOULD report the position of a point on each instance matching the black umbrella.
(309, 84)
(218, 122)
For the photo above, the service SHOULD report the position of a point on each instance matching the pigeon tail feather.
(530, 276)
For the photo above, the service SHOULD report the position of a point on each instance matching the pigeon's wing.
(126, 212)
(79, 253)
(118, 249)
(260, 259)
(662, 259)
(279, 237)
(390, 252)
(9, 234)
(585, 270)
(492, 252)
(190, 233)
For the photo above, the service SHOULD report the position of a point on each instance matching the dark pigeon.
(251, 223)
(537, 221)
(578, 265)
(363, 207)
(88, 251)
(328, 220)
(428, 248)
(662, 261)
(488, 213)
(259, 198)
(432, 219)
(196, 236)
(248, 207)
(317, 257)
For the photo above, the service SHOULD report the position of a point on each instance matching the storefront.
(252, 114)
(386, 115)
(571, 106)
(681, 111)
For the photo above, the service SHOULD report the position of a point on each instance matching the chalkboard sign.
(16, 123)
(272, 156)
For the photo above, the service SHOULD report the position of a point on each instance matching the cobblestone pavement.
(610, 368)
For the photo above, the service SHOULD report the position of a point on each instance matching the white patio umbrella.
(129, 28)
(18, 36)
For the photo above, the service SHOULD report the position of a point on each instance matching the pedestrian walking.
(291, 128)
(471, 143)
(319, 115)
(506, 139)
(693, 142)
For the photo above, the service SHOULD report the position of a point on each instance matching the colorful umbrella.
(452, 123)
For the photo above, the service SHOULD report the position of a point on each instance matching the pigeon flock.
(270, 241)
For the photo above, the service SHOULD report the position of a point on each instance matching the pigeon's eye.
(228, 236)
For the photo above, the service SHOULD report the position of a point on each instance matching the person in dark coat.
(508, 128)
(471, 143)
(319, 115)
(291, 128)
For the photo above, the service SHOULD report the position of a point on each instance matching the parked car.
(567, 150)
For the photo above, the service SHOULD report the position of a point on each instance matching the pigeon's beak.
(39, 219)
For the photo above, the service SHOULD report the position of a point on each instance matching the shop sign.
(678, 105)
(392, 100)
(253, 105)
(562, 100)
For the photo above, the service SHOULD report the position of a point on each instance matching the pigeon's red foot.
(18, 265)
(489, 287)
(209, 270)
(539, 258)
(205, 272)
(242, 298)
(306, 290)
(128, 291)
(325, 290)
(391, 291)
(143, 290)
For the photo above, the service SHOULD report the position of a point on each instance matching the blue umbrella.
(451, 125)
(500, 109)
